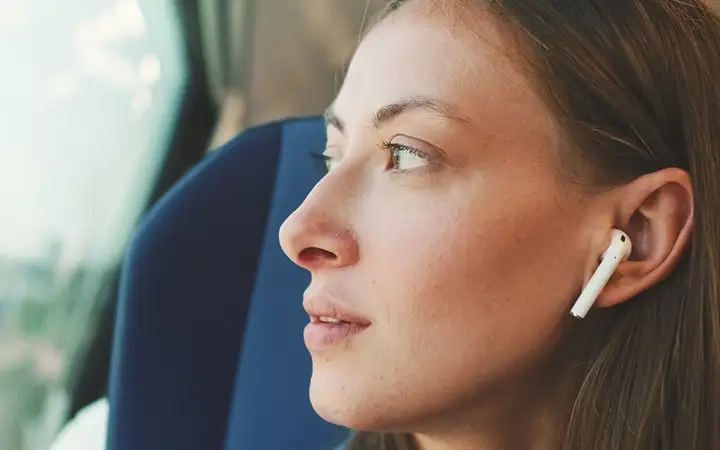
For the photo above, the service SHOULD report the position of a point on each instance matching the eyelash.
(390, 147)
(323, 160)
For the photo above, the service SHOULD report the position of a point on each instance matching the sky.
(89, 92)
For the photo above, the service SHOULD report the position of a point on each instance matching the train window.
(89, 95)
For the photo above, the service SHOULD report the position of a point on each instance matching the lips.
(331, 322)
(325, 319)
(327, 309)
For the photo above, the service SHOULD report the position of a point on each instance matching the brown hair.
(635, 87)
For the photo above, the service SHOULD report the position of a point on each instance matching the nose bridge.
(323, 220)
(329, 202)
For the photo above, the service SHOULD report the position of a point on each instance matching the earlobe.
(657, 213)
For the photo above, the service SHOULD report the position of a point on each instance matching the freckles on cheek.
(420, 240)
(418, 255)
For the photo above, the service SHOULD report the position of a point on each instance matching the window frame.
(89, 372)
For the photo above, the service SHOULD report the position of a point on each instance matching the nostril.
(315, 254)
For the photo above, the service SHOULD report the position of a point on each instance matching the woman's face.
(443, 223)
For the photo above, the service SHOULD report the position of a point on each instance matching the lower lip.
(319, 335)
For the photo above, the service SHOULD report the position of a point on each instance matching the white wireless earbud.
(618, 251)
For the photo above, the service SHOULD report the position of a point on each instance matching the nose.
(317, 236)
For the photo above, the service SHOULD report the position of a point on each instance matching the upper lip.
(318, 305)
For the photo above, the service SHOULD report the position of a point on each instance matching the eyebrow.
(391, 111)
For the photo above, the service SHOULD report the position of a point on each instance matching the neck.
(538, 431)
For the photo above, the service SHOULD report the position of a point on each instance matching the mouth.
(329, 320)
(325, 332)
(330, 324)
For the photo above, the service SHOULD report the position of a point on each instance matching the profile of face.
(443, 230)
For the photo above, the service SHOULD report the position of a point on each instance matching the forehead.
(429, 49)
(413, 53)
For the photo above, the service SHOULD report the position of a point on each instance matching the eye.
(327, 160)
(403, 158)
(330, 162)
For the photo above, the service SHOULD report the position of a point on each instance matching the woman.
(480, 154)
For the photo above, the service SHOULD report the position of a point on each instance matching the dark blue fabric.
(187, 373)
(271, 409)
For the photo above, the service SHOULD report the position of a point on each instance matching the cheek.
(467, 271)
(483, 245)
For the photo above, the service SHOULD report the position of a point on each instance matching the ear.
(656, 211)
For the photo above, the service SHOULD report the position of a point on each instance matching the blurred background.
(104, 104)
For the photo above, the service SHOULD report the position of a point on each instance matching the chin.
(339, 401)
(357, 402)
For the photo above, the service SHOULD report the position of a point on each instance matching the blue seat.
(208, 353)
